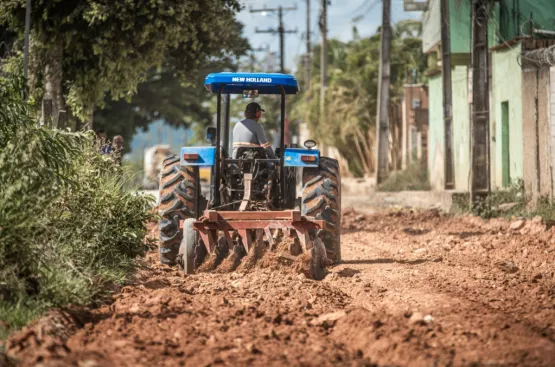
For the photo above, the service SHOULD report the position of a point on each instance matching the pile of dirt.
(46, 338)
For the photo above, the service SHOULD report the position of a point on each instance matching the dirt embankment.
(415, 289)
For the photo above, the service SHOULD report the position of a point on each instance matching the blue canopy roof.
(265, 83)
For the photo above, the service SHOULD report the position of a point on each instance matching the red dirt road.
(415, 289)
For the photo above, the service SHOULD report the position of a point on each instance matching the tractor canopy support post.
(215, 187)
(282, 149)
(225, 143)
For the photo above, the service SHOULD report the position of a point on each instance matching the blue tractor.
(254, 200)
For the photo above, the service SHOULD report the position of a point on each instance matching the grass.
(506, 202)
(413, 178)
(16, 315)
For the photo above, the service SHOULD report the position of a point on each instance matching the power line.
(280, 30)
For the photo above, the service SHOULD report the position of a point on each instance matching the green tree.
(350, 113)
(85, 49)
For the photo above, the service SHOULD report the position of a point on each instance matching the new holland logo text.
(251, 80)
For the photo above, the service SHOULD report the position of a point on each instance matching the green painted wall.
(506, 87)
(513, 17)
(460, 30)
(461, 130)
(435, 134)
(461, 127)
(460, 20)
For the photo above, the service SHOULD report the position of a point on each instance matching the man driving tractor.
(250, 133)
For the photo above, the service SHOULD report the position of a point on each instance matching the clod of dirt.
(417, 318)
(428, 319)
(360, 218)
(507, 266)
(328, 318)
(537, 277)
(46, 336)
(256, 252)
(517, 225)
(348, 272)
(231, 262)
(6, 361)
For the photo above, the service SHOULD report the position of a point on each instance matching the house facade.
(512, 26)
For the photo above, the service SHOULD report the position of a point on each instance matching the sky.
(341, 15)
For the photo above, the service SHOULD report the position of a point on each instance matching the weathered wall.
(507, 80)
(431, 31)
(460, 31)
(544, 149)
(513, 16)
(436, 157)
(529, 83)
(551, 114)
(537, 132)
(461, 127)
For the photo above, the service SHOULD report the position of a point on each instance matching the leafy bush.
(413, 178)
(505, 202)
(67, 224)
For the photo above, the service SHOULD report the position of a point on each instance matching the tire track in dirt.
(415, 289)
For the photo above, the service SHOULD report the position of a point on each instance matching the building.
(512, 25)
(414, 108)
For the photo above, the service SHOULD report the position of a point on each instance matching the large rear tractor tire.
(179, 200)
(321, 198)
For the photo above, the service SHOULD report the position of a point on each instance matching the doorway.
(505, 151)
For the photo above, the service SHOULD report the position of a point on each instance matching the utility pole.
(383, 96)
(280, 30)
(447, 94)
(26, 46)
(323, 63)
(480, 167)
(307, 58)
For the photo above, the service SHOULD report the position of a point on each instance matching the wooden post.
(383, 96)
(447, 94)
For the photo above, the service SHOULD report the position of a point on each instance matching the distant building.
(515, 27)
(414, 124)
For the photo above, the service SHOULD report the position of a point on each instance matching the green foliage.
(17, 315)
(506, 202)
(413, 178)
(545, 209)
(348, 122)
(67, 225)
(108, 47)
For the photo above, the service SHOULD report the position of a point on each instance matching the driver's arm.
(261, 136)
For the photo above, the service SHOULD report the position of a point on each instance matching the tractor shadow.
(386, 261)
(416, 231)
(465, 235)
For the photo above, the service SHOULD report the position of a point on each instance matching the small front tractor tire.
(191, 251)
(179, 200)
(318, 260)
(321, 198)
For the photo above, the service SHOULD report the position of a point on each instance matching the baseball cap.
(253, 107)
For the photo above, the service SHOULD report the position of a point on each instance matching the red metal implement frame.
(242, 222)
